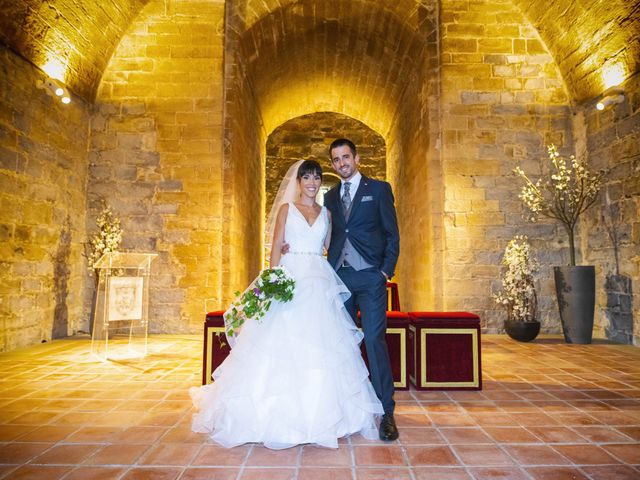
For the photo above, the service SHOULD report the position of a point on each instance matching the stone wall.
(156, 154)
(502, 101)
(612, 140)
(309, 137)
(43, 174)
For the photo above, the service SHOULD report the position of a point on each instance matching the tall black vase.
(576, 294)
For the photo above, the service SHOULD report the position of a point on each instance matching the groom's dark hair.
(341, 142)
(309, 166)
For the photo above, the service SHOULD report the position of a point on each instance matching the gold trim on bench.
(423, 356)
(403, 356)
(211, 331)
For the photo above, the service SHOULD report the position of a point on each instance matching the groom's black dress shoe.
(388, 429)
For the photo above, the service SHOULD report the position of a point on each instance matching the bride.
(296, 376)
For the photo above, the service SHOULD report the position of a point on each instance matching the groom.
(364, 249)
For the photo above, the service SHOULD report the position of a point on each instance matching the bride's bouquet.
(272, 284)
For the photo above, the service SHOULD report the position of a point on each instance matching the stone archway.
(308, 137)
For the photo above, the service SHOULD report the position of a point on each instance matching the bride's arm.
(327, 239)
(278, 236)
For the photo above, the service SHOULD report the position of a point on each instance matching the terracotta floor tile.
(412, 420)
(452, 420)
(465, 435)
(511, 435)
(440, 473)
(95, 473)
(432, 455)
(93, 434)
(145, 435)
(482, 455)
(602, 434)
(17, 453)
(66, 454)
(152, 473)
(612, 472)
(577, 419)
(265, 457)
(493, 473)
(556, 473)
(38, 472)
(631, 432)
(383, 473)
(119, 454)
(378, 455)
(170, 454)
(585, 454)
(35, 418)
(421, 436)
(208, 473)
(48, 434)
(268, 474)
(615, 418)
(325, 457)
(556, 434)
(535, 455)
(11, 432)
(184, 435)
(321, 473)
(628, 453)
(493, 419)
(214, 455)
(535, 419)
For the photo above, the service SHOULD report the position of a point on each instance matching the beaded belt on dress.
(305, 253)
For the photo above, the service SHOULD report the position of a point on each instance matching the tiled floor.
(548, 411)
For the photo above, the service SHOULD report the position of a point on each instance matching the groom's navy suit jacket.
(372, 226)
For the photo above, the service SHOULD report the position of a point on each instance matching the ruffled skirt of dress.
(295, 377)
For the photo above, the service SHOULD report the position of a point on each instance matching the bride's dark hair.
(309, 166)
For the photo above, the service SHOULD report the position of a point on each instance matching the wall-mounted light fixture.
(611, 96)
(55, 89)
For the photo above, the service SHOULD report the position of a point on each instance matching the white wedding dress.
(297, 375)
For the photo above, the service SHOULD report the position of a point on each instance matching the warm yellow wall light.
(55, 68)
(613, 75)
(611, 96)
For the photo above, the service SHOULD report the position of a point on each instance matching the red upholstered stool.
(396, 337)
(216, 348)
(444, 351)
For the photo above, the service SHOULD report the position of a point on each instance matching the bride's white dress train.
(297, 376)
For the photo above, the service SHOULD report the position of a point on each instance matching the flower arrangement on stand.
(518, 294)
(272, 284)
(108, 238)
(566, 188)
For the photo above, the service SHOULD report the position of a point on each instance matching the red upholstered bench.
(396, 337)
(216, 348)
(397, 331)
(444, 351)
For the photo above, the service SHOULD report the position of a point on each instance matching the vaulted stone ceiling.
(77, 37)
(355, 57)
(71, 40)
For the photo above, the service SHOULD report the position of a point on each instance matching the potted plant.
(518, 294)
(565, 189)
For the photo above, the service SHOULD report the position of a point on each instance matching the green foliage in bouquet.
(272, 284)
